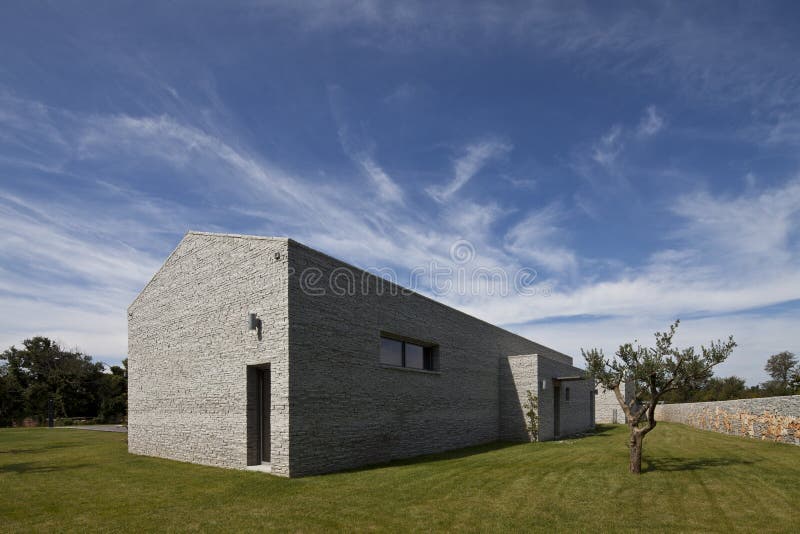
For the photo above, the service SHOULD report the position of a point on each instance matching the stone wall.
(771, 418)
(518, 374)
(575, 413)
(607, 408)
(348, 410)
(189, 347)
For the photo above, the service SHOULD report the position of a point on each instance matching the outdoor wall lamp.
(544, 384)
(254, 323)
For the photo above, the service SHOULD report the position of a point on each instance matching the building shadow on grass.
(452, 455)
(691, 464)
(434, 457)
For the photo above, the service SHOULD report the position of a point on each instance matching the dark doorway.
(556, 409)
(258, 415)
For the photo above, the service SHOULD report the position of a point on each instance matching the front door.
(263, 415)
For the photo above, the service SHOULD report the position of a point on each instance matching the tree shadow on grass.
(691, 464)
(600, 431)
(23, 468)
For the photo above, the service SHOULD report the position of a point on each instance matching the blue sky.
(641, 158)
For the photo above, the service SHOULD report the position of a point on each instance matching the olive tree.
(654, 371)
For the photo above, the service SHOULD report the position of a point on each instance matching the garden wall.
(770, 418)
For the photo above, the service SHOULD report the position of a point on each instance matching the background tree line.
(783, 369)
(79, 387)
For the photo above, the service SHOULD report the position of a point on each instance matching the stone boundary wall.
(769, 419)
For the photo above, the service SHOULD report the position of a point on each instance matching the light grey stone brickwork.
(518, 375)
(607, 408)
(770, 418)
(333, 405)
(189, 348)
(543, 377)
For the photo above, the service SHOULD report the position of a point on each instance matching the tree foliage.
(654, 372)
(713, 389)
(41, 370)
(780, 367)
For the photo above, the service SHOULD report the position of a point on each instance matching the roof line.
(238, 236)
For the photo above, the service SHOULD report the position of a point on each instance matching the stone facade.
(189, 349)
(333, 405)
(771, 418)
(607, 408)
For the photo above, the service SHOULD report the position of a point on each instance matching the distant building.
(338, 368)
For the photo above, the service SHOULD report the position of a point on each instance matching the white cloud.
(467, 166)
(704, 54)
(608, 147)
(753, 231)
(386, 187)
(360, 151)
(402, 93)
(538, 239)
(651, 123)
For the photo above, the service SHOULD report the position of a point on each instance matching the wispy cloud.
(537, 240)
(475, 157)
(728, 254)
(651, 123)
(402, 93)
(712, 53)
(608, 147)
(387, 188)
(360, 151)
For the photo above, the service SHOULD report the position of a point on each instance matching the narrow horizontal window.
(391, 352)
(415, 356)
(406, 354)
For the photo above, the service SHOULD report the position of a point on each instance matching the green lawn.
(67, 479)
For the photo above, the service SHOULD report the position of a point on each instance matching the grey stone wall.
(771, 418)
(576, 414)
(521, 373)
(607, 408)
(189, 348)
(347, 410)
(518, 374)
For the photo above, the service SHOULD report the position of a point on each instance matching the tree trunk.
(635, 445)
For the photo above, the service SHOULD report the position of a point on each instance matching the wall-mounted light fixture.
(544, 384)
(254, 323)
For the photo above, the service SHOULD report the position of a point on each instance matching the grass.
(78, 480)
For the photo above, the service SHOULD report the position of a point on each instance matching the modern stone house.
(336, 368)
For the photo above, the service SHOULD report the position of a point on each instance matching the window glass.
(429, 358)
(391, 352)
(415, 356)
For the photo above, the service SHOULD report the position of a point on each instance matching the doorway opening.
(258, 415)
